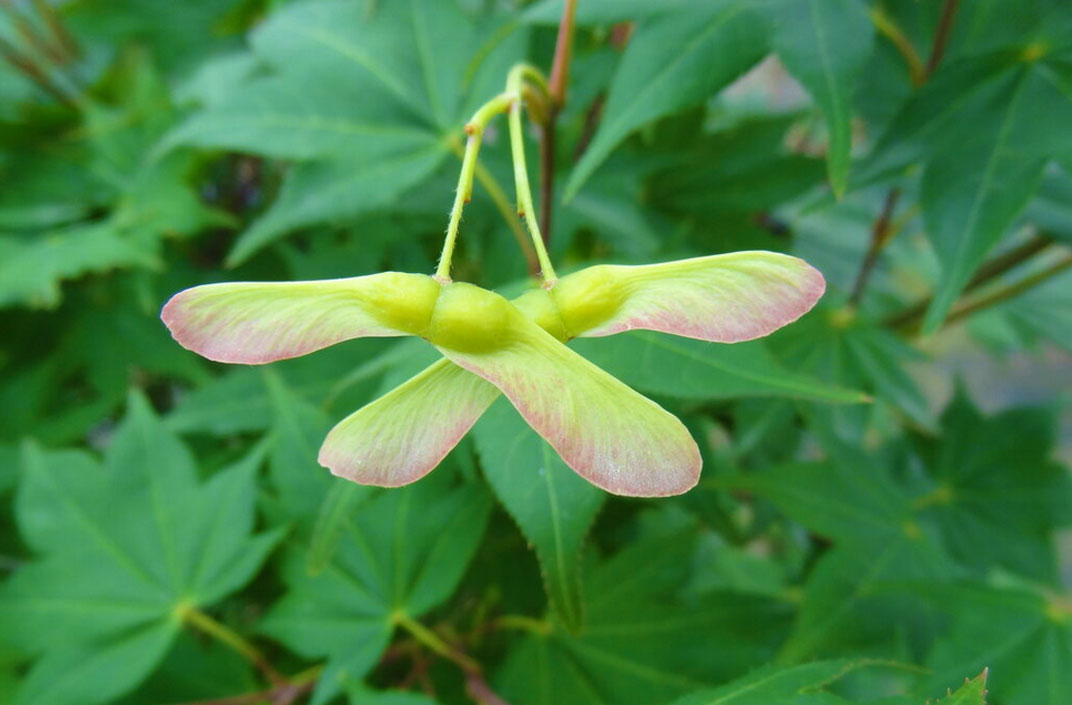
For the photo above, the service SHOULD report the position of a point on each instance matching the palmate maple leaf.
(608, 433)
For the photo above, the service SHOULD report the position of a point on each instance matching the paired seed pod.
(610, 434)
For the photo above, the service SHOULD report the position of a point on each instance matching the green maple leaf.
(991, 482)
(402, 555)
(641, 642)
(378, 119)
(973, 692)
(126, 548)
(1020, 631)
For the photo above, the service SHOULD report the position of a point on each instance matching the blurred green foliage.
(166, 534)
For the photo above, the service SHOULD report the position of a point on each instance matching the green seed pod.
(470, 319)
(538, 306)
(401, 301)
(587, 298)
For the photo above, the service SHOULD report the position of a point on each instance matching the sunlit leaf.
(103, 610)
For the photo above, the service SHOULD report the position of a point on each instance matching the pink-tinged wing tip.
(258, 322)
(721, 299)
(666, 478)
(182, 322)
(371, 468)
(370, 460)
(405, 434)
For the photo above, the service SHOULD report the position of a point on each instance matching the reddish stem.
(557, 87)
(941, 36)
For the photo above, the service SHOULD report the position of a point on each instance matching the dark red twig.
(941, 36)
(880, 235)
(989, 270)
(282, 694)
(557, 87)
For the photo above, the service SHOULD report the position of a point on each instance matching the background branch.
(941, 36)
(557, 88)
(911, 316)
(881, 232)
(880, 235)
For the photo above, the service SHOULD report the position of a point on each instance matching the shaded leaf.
(973, 692)
(775, 684)
(331, 521)
(992, 483)
(375, 123)
(1021, 634)
(693, 369)
(639, 644)
(1041, 314)
(298, 428)
(337, 190)
(553, 505)
(672, 62)
(601, 11)
(974, 188)
(9, 467)
(840, 349)
(32, 268)
(824, 44)
(878, 540)
(403, 553)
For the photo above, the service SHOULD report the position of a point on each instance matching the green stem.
(461, 197)
(502, 204)
(287, 692)
(475, 129)
(309, 675)
(432, 640)
(197, 619)
(520, 77)
(475, 685)
(528, 72)
(1010, 291)
(889, 29)
(909, 318)
(525, 206)
(523, 623)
